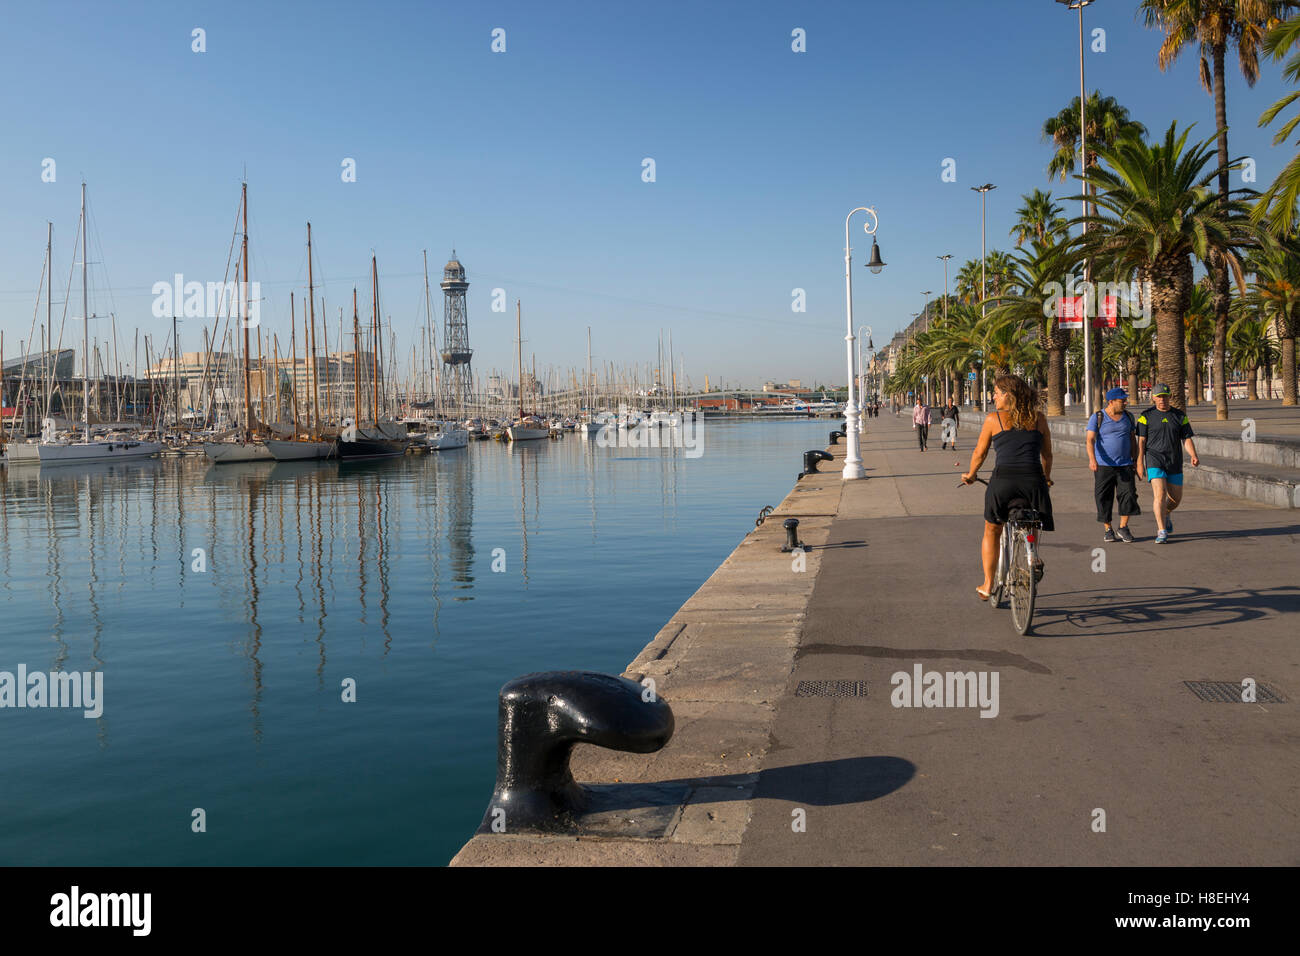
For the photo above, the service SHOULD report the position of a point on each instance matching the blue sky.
(530, 161)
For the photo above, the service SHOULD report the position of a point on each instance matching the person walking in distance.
(1163, 434)
(921, 421)
(1112, 448)
(951, 418)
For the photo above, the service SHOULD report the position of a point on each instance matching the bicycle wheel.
(1000, 575)
(1023, 586)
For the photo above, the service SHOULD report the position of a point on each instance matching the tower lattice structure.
(457, 375)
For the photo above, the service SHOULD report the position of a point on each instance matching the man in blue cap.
(1163, 432)
(1112, 447)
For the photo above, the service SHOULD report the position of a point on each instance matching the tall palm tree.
(968, 281)
(1156, 211)
(1278, 203)
(1027, 305)
(1276, 294)
(1213, 26)
(999, 268)
(1107, 121)
(1198, 335)
(1039, 219)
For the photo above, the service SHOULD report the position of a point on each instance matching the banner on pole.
(1109, 313)
(1069, 311)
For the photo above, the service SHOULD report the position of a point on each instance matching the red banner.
(1069, 311)
(1109, 313)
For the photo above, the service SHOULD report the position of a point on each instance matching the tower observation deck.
(457, 374)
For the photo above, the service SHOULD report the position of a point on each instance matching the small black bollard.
(836, 436)
(811, 458)
(792, 541)
(539, 720)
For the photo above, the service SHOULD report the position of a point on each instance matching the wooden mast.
(293, 358)
(374, 339)
(243, 295)
(311, 343)
(356, 362)
(519, 342)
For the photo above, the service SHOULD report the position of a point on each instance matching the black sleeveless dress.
(1018, 473)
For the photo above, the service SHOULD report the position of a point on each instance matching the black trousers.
(922, 435)
(1109, 483)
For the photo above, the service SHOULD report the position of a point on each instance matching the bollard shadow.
(1128, 611)
(1291, 529)
(841, 544)
(824, 783)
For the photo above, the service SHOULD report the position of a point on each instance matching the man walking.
(921, 421)
(1163, 433)
(948, 426)
(1112, 447)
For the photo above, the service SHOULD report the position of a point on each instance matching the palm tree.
(999, 269)
(1198, 335)
(1156, 211)
(1279, 201)
(1213, 25)
(1028, 306)
(1251, 347)
(1107, 122)
(1039, 219)
(1129, 349)
(1276, 294)
(968, 281)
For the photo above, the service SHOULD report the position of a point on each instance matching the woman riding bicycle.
(1019, 432)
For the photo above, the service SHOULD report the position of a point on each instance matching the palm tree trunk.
(1288, 371)
(1131, 366)
(1171, 280)
(1193, 379)
(1221, 294)
(1056, 381)
(1252, 383)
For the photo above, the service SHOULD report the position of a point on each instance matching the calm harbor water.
(223, 687)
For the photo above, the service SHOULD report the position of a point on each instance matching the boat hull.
(97, 451)
(228, 452)
(299, 450)
(365, 449)
(527, 434)
(453, 438)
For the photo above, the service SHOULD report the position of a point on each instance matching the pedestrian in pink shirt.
(921, 422)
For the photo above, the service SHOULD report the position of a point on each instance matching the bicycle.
(1019, 567)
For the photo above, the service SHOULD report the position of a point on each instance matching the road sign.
(970, 376)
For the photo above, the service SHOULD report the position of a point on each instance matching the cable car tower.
(457, 376)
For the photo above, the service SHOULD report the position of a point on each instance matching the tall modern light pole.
(853, 460)
(1083, 168)
(945, 259)
(984, 283)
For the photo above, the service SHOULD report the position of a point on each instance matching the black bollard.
(539, 719)
(792, 541)
(836, 436)
(811, 458)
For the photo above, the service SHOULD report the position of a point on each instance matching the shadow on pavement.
(1115, 611)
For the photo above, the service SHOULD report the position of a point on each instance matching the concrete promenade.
(1092, 713)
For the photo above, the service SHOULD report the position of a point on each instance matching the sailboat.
(357, 443)
(311, 447)
(244, 447)
(527, 427)
(53, 451)
(589, 428)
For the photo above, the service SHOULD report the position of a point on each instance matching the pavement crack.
(1000, 658)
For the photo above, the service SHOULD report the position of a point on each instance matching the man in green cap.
(1163, 433)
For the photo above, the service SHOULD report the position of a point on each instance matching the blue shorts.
(1161, 473)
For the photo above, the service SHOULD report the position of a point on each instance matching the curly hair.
(1024, 401)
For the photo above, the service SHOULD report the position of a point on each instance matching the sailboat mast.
(428, 321)
(243, 296)
(311, 344)
(356, 362)
(293, 359)
(85, 325)
(519, 342)
(374, 338)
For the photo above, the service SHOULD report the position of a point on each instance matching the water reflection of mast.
(523, 511)
(460, 532)
(255, 644)
(97, 624)
(381, 516)
(55, 570)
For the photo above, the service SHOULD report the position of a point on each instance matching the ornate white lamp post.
(853, 423)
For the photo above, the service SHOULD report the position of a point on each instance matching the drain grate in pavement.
(1229, 692)
(831, 688)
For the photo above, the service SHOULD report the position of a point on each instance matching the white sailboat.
(526, 427)
(51, 450)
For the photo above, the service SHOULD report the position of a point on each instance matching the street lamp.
(853, 460)
(984, 286)
(1083, 166)
(945, 259)
(862, 374)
